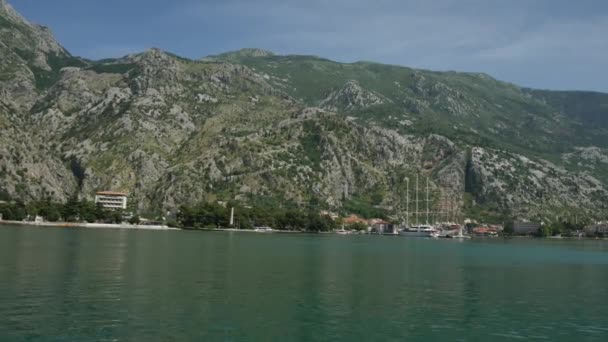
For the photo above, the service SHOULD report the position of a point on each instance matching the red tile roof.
(378, 221)
(354, 219)
(111, 193)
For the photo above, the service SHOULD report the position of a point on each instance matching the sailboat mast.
(453, 209)
(450, 208)
(407, 203)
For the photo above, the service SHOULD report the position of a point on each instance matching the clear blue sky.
(553, 44)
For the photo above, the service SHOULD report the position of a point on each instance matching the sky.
(548, 44)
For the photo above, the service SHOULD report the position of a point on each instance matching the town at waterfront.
(110, 209)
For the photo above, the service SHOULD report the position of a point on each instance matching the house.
(485, 231)
(496, 227)
(111, 200)
(354, 219)
(380, 226)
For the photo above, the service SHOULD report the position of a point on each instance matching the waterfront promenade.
(87, 225)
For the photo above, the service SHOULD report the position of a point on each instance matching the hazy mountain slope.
(470, 107)
(589, 109)
(289, 130)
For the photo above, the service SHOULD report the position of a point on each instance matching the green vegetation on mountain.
(293, 132)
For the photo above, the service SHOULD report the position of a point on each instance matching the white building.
(598, 228)
(111, 199)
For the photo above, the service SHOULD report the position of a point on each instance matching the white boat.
(263, 229)
(419, 231)
(343, 232)
(459, 235)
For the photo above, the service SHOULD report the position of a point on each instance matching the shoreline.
(86, 225)
(127, 226)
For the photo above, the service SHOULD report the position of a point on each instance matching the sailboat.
(450, 228)
(418, 230)
(343, 231)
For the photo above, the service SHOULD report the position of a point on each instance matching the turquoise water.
(117, 285)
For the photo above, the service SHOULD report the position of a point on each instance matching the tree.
(186, 216)
(134, 220)
(263, 216)
(53, 215)
(544, 231)
(100, 213)
(203, 215)
(291, 220)
(211, 215)
(71, 209)
(318, 223)
(558, 228)
(509, 228)
(116, 216)
(88, 211)
(173, 224)
(358, 226)
(376, 198)
(13, 211)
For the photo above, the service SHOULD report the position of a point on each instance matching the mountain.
(258, 127)
(236, 56)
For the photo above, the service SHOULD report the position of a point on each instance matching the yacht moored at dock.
(419, 231)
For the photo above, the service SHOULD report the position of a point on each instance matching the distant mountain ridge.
(258, 127)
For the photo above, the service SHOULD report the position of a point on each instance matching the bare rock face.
(35, 42)
(533, 186)
(250, 125)
(350, 97)
(28, 166)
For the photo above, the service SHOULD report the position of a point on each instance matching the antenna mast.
(417, 221)
(427, 200)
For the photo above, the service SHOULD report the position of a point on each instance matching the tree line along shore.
(215, 215)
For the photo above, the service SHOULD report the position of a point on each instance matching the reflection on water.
(104, 285)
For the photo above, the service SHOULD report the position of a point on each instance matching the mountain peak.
(152, 54)
(7, 11)
(25, 35)
(237, 55)
(154, 51)
(254, 52)
(33, 45)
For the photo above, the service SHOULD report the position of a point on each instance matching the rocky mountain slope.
(290, 130)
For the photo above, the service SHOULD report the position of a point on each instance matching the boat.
(343, 232)
(263, 229)
(419, 231)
